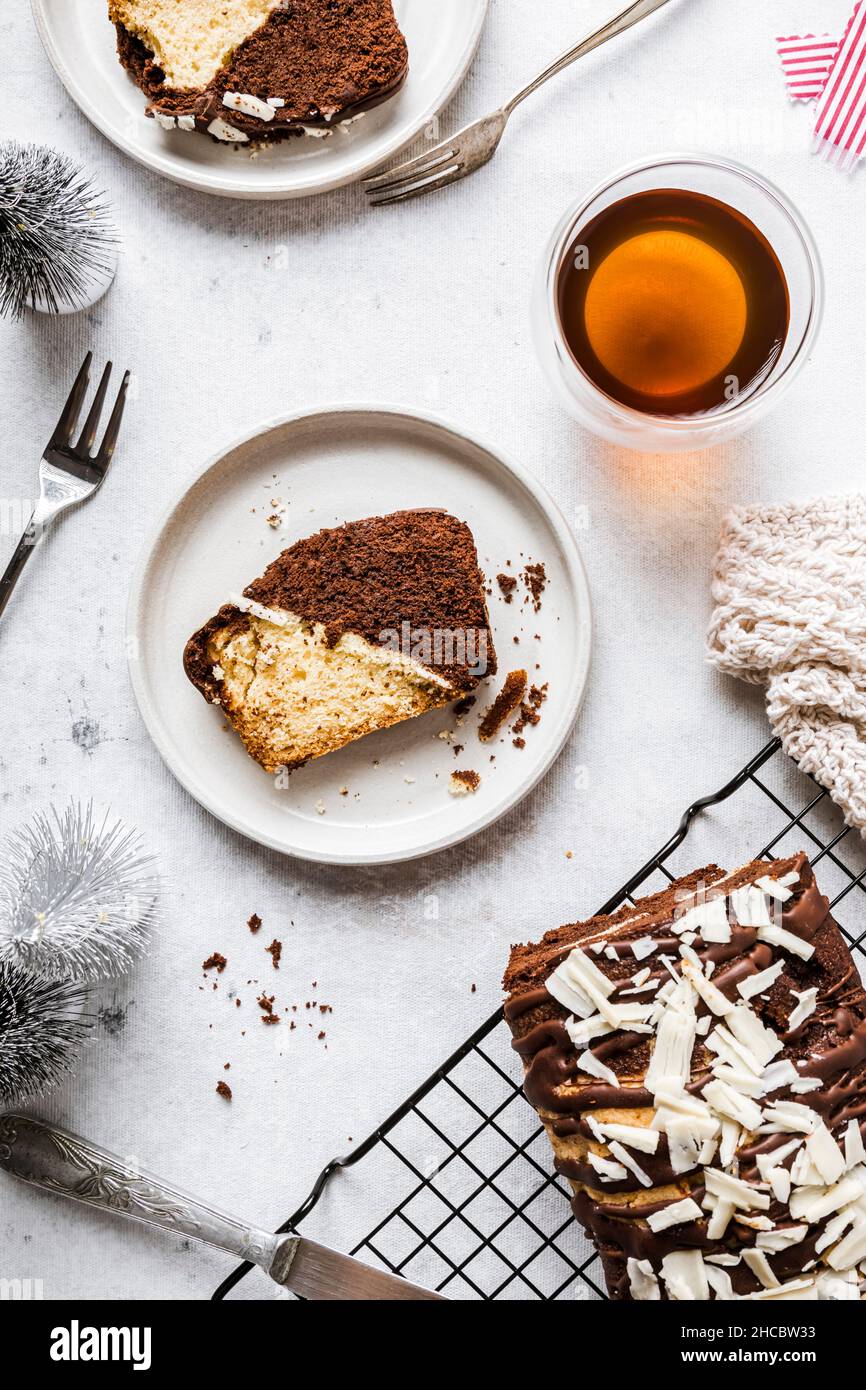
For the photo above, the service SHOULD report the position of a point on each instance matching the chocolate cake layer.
(699, 1063)
(349, 630)
(302, 64)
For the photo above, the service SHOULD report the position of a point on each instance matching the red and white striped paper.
(818, 68)
(807, 60)
(840, 127)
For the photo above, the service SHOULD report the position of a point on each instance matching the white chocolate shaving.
(685, 1276)
(645, 1140)
(631, 1163)
(671, 1059)
(760, 983)
(806, 1001)
(854, 1151)
(607, 1171)
(760, 1265)
(777, 1075)
(788, 1115)
(642, 1281)
(750, 907)
(825, 1154)
(786, 941)
(774, 888)
(782, 1238)
(579, 985)
(720, 1220)
(249, 105)
(223, 131)
(676, 1214)
(734, 1190)
(589, 1063)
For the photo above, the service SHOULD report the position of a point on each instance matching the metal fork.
(470, 148)
(69, 473)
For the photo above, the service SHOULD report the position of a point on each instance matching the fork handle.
(23, 551)
(633, 15)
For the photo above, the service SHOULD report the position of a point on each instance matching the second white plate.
(442, 36)
(385, 798)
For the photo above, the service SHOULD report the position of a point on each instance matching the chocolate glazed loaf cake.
(245, 70)
(699, 1064)
(352, 630)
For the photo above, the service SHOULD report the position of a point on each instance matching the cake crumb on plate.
(464, 783)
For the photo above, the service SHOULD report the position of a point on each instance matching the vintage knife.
(59, 1162)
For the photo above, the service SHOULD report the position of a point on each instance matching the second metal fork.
(473, 146)
(69, 472)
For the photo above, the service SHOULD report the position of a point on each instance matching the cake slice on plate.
(246, 70)
(352, 630)
(699, 1064)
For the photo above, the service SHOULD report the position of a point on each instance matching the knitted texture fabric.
(790, 590)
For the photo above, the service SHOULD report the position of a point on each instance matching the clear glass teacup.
(752, 197)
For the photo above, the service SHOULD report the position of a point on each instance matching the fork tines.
(431, 170)
(61, 440)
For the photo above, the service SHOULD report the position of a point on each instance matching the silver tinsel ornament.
(58, 244)
(42, 1027)
(77, 897)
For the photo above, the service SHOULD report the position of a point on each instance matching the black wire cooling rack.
(460, 1176)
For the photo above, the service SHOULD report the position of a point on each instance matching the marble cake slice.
(699, 1064)
(247, 70)
(352, 630)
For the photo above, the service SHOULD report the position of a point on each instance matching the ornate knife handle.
(53, 1159)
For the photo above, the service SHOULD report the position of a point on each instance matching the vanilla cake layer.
(191, 39)
(292, 697)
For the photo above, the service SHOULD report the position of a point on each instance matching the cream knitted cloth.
(790, 589)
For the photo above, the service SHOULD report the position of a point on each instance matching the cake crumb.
(275, 951)
(266, 1004)
(535, 581)
(464, 783)
(529, 711)
(504, 705)
(215, 962)
(224, 1090)
(254, 923)
(507, 584)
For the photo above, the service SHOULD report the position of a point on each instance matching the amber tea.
(674, 303)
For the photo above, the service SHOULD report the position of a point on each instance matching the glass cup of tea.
(676, 303)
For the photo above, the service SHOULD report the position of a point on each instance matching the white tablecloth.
(425, 306)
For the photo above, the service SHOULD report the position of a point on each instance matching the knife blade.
(316, 1272)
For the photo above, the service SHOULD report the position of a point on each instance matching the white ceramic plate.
(326, 468)
(79, 40)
